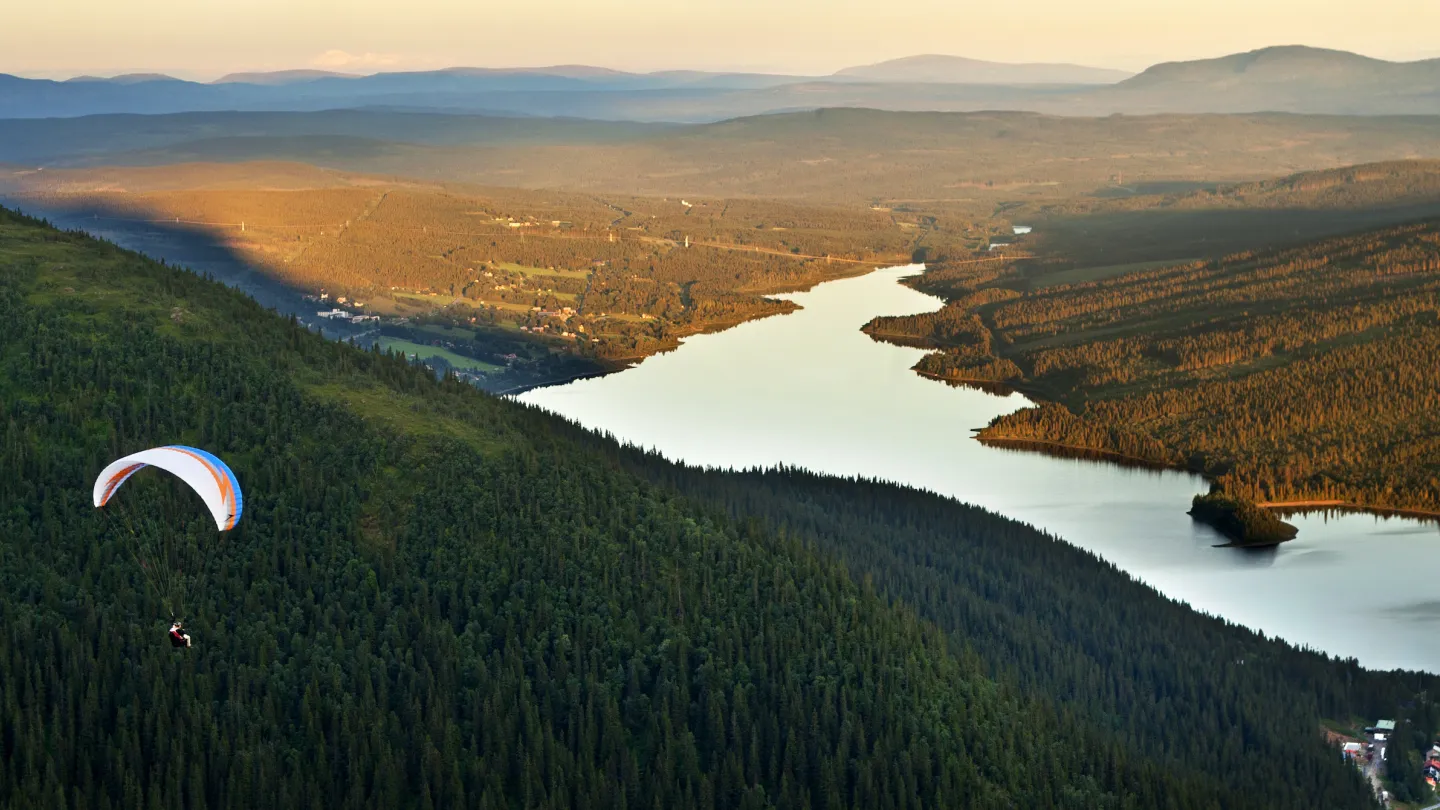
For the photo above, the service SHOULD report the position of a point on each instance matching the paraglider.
(169, 554)
(206, 474)
(178, 636)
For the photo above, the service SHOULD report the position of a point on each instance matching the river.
(809, 389)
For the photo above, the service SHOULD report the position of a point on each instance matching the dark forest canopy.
(441, 599)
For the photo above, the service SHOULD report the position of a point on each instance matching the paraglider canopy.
(203, 472)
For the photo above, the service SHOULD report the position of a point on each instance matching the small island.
(1243, 522)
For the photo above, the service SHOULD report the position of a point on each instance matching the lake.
(809, 389)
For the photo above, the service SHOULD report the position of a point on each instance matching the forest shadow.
(1115, 239)
(204, 251)
(197, 248)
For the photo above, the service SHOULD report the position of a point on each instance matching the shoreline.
(989, 386)
(1305, 505)
(1040, 445)
(521, 389)
(1350, 506)
(626, 362)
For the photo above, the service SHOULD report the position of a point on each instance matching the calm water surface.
(809, 389)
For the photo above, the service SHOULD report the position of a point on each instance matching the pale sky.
(206, 38)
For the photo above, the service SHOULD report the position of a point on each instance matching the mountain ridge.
(1281, 63)
(125, 78)
(1295, 79)
(940, 68)
(280, 77)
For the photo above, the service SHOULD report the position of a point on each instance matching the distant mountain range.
(125, 78)
(280, 77)
(1280, 79)
(1289, 79)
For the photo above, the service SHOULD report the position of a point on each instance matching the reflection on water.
(810, 390)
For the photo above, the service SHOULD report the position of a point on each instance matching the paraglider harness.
(178, 636)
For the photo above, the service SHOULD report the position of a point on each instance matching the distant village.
(563, 315)
(340, 314)
(1370, 756)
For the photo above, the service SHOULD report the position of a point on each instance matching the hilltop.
(1289, 79)
(1282, 65)
(959, 70)
(279, 77)
(126, 78)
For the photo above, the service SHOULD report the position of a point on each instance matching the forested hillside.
(1300, 374)
(439, 599)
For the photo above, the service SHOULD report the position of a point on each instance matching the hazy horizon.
(67, 38)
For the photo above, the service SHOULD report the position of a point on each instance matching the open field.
(424, 352)
(559, 272)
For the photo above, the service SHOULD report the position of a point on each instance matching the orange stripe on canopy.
(222, 482)
(116, 480)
